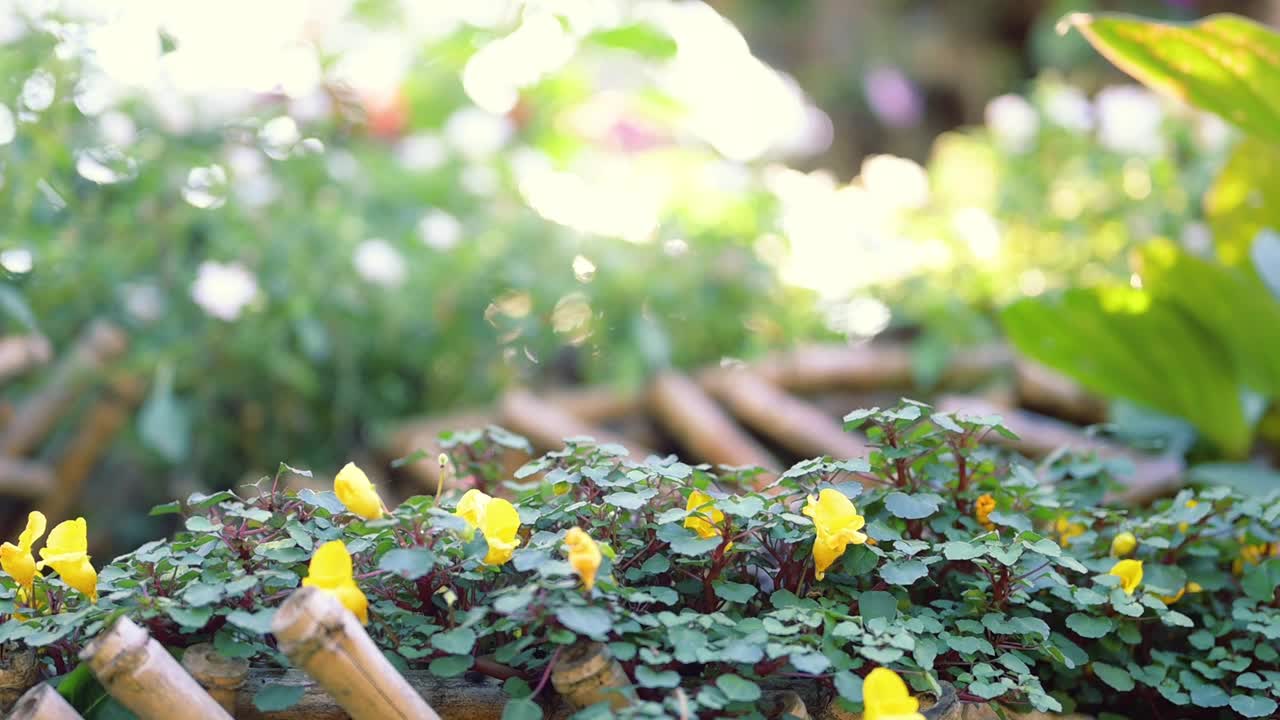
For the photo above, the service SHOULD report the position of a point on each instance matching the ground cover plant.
(942, 560)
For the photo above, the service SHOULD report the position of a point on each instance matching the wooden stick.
(791, 422)
(42, 702)
(37, 415)
(705, 431)
(461, 698)
(1040, 388)
(144, 677)
(547, 425)
(826, 367)
(320, 636)
(1038, 436)
(586, 673)
(104, 420)
(595, 405)
(18, 673)
(221, 676)
(19, 353)
(25, 479)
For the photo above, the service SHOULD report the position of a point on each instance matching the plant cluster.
(936, 556)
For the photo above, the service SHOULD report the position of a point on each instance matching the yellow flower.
(17, 560)
(1123, 544)
(496, 518)
(1067, 530)
(355, 491)
(704, 504)
(584, 556)
(1191, 587)
(836, 522)
(66, 551)
(1182, 527)
(886, 697)
(1130, 574)
(1254, 555)
(330, 570)
(982, 510)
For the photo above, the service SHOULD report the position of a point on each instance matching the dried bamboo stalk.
(42, 702)
(826, 367)
(1040, 388)
(104, 420)
(144, 677)
(221, 676)
(791, 422)
(18, 673)
(595, 405)
(547, 425)
(19, 353)
(704, 429)
(25, 479)
(1038, 436)
(320, 636)
(37, 415)
(461, 698)
(586, 673)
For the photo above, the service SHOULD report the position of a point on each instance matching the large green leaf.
(1224, 63)
(1244, 199)
(1232, 303)
(1126, 343)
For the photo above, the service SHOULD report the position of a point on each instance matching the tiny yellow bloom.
(331, 571)
(885, 697)
(17, 560)
(1254, 555)
(836, 523)
(66, 551)
(704, 504)
(982, 510)
(1194, 587)
(496, 518)
(1067, 530)
(1130, 574)
(1182, 527)
(1123, 544)
(584, 556)
(1191, 587)
(355, 491)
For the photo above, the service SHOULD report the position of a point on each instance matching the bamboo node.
(19, 671)
(586, 674)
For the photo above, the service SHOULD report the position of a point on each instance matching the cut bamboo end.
(42, 702)
(19, 671)
(322, 638)
(144, 677)
(586, 674)
(221, 676)
(790, 706)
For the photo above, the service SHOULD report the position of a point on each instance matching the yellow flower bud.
(1130, 574)
(17, 560)
(66, 551)
(331, 571)
(584, 556)
(355, 491)
(836, 524)
(886, 697)
(982, 509)
(1123, 544)
(1067, 530)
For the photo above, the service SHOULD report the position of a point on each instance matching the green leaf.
(164, 422)
(1117, 678)
(190, 618)
(648, 677)
(593, 622)
(1265, 252)
(200, 524)
(737, 688)
(1089, 626)
(411, 563)
(849, 686)
(903, 572)
(1209, 696)
(912, 507)
(274, 698)
(641, 38)
(458, 641)
(1225, 64)
(734, 592)
(691, 544)
(960, 550)
(450, 665)
(1243, 204)
(1253, 706)
(521, 709)
(877, 604)
(258, 623)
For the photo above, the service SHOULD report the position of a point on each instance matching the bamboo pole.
(221, 676)
(320, 636)
(25, 479)
(460, 698)
(704, 429)
(42, 702)
(825, 367)
(18, 673)
(595, 405)
(791, 422)
(37, 415)
(547, 425)
(1040, 388)
(1038, 436)
(586, 673)
(19, 353)
(144, 677)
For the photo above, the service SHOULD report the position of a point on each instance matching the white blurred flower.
(440, 230)
(18, 261)
(979, 231)
(1067, 107)
(378, 262)
(1129, 119)
(1013, 122)
(39, 90)
(480, 180)
(422, 152)
(495, 74)
(1212, 132)
(342, 165)
(8, 128)
(117, 128)
(476, 133)
(1197, 238)
(143, 301)
(895, 181)
(224, 290)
